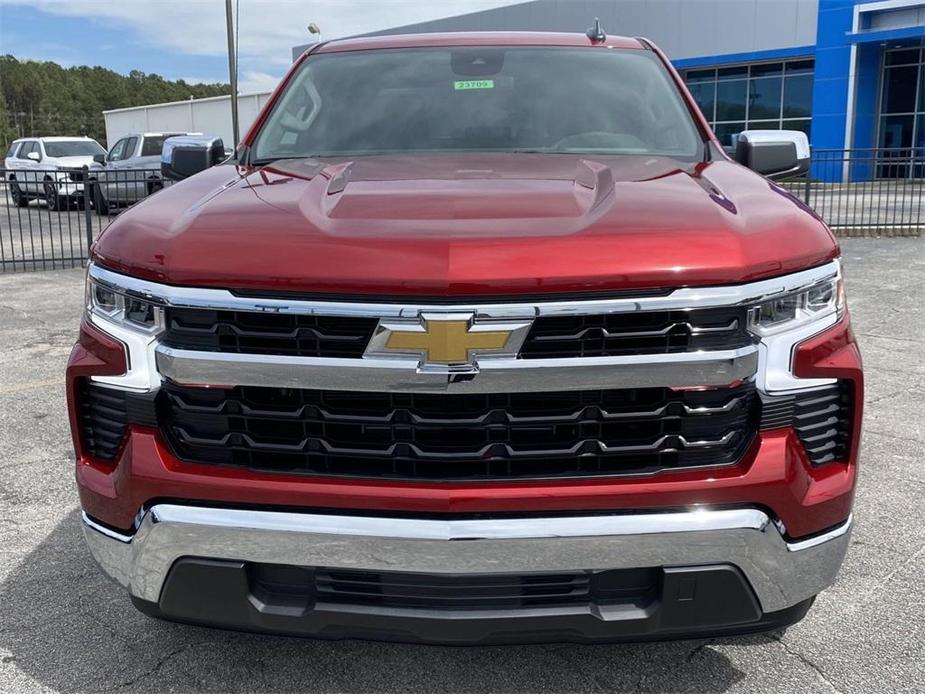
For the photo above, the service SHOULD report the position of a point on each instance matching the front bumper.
(65, 186)
(698, 551)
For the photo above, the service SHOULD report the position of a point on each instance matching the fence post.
(88, 216)
(807, 186)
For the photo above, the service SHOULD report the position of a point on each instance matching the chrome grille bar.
(512, 375)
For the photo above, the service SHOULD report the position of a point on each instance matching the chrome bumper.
(781, 573)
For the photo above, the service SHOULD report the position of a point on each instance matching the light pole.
(232, 72)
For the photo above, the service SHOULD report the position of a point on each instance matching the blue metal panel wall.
(833, 62)
(754, 56)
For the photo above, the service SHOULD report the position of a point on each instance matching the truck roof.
(172, 133)
(54, 138)
(476, 38)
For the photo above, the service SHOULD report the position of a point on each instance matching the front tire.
(20, 199)
(99, 202)
(154, 185)
(55, 202)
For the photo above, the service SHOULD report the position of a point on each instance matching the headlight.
(799, 308)
(126, 311)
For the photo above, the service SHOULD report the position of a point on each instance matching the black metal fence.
(866, 192)
(49, 217)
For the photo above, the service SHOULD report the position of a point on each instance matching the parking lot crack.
(897, 437)
(23, 314)
(882, 583)
(154, 669)
(808, 662)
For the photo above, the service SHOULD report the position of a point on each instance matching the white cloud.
(256, 81)
(268, 28)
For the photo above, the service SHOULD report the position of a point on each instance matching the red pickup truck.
(480, 338)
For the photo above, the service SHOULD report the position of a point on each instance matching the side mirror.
(185, 155)
(34, 156)
(774, 153)
(99, 158)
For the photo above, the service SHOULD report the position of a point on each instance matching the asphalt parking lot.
(64, 628)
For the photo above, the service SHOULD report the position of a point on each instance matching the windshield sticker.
(473, 84)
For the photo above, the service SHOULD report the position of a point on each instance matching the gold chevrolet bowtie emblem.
(452, 342)
(447, 341)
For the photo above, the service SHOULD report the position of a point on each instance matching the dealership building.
(850, 73)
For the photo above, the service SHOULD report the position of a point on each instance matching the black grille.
(635, 333)
(103, 419)
(822, 419)
(291, 584)
(268, 333)
(650, 332)
(456, 436)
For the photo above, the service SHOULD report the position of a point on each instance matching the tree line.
(44, 98)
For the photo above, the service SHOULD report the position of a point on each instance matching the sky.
(185, 39)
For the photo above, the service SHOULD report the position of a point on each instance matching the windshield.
(73, 148)
(483, 99)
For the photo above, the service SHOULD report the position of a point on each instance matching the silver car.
(130, 171)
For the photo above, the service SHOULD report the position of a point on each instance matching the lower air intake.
(103, 419)
(822, 419)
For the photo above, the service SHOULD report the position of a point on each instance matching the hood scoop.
(468, 194)
(597, 178)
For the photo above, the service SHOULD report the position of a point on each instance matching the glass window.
(798, 96)
(12, 150)
(756, 96)
(732, 73)
(896, 131)
(704, 94)
(727, 132)
(905, 56)
(921, 88)
(479, 99)
(130, 145)
(764, 98)
(25, 149)
(902, 109)
(73, 148)
(767, 70)
(152, 146)
(115, 154)
(701, 76)
(731, 99)
(899, 85)
(800, 67)
(803, 125)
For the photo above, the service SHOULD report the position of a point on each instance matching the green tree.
(44, 98)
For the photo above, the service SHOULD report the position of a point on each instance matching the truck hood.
(467, 225)
(73, 162)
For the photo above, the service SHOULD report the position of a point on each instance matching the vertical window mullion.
(748, 94)
(715, 95)
(780, 96)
